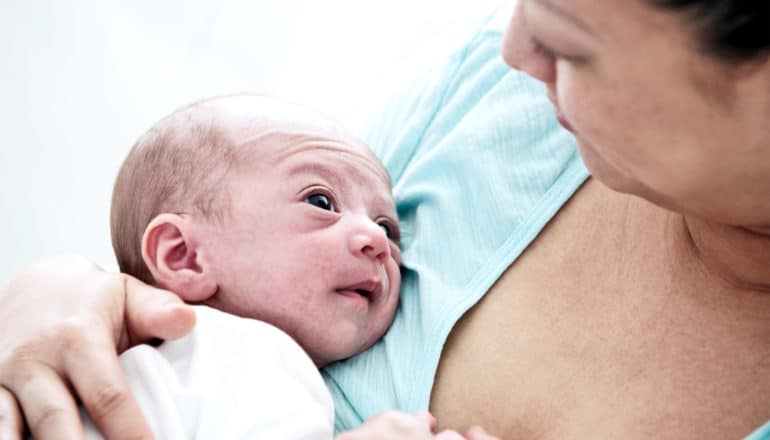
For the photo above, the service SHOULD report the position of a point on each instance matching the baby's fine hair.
(178, 166)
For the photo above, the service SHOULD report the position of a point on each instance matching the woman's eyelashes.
(542, 49)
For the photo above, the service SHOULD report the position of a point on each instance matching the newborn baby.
(284, 225)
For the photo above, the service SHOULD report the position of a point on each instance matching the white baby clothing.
(230, 378)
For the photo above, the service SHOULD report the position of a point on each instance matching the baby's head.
(266, 210)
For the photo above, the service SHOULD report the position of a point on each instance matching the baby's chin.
(324, 357)
(342, 355)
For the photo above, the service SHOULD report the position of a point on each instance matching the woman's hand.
(395, 425)
(62, 323)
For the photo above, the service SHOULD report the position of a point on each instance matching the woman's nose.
(369, 239)
(519, 50)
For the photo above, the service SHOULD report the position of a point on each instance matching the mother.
(640, 310)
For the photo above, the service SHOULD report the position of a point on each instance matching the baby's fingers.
(478, 433)
(449, 435)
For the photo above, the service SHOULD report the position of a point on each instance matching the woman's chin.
(608, 175)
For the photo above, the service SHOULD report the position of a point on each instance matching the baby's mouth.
(370, 289)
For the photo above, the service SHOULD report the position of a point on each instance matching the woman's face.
(653, 114)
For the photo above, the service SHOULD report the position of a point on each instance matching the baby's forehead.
(265, 131)
(259, 121)
(299, 149)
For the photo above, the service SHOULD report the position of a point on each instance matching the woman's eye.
(542, 49)
(320, 201)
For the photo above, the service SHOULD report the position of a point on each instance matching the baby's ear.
(171, 251)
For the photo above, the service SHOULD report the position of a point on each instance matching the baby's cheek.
(395, 252)
(396, 283)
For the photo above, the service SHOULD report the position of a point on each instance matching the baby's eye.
(390, 231)
(320, 201)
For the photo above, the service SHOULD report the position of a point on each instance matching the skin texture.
(309, 220)
(655, 324)
(653, 116)
(299, 264)
(692, 137)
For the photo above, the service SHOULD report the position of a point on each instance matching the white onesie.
(230, 378)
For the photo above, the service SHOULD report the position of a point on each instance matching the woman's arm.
(64, 321)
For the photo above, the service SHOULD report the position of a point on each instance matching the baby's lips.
(371, 288)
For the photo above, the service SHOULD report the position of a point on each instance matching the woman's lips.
(559, 115)
(563, 120)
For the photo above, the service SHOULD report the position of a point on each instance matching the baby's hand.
(478, 433)
(403, 426)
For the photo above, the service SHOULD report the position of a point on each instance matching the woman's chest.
(589, 335)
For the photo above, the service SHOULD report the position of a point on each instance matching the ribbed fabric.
(479, 166)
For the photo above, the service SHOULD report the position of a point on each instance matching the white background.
(80, 80)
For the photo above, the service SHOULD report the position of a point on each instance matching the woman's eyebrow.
(547, 4)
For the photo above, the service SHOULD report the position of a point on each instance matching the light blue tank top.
(763, 433)
(479, 166)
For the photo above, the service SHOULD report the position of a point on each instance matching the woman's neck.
(739, 256)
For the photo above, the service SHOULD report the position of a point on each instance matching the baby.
(264, 210)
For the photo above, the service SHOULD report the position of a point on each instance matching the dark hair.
(734, 30)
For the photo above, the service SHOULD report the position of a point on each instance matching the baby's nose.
(370, 240)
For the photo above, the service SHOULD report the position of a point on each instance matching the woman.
(639, 311)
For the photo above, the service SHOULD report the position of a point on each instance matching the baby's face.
(311, 242)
